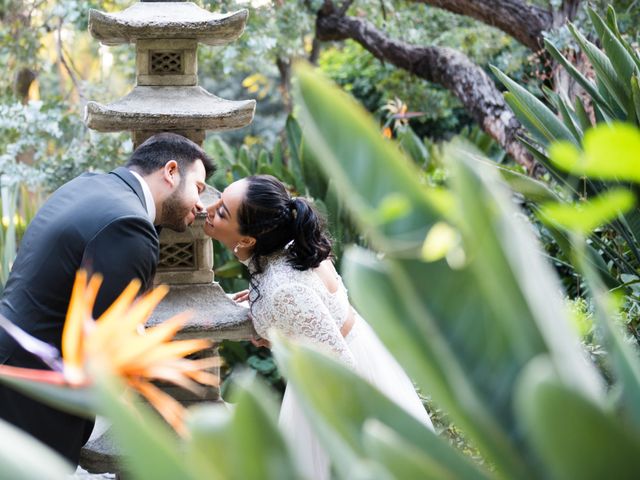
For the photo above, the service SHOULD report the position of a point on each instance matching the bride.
(295, 289)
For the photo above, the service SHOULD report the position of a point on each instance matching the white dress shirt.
(148, 198)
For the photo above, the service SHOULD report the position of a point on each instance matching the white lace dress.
(298, 305)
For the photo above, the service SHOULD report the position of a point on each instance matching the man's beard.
(174, 212)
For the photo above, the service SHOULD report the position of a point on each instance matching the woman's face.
(222, 215)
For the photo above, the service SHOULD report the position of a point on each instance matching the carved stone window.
(166, 63)
(177, 255)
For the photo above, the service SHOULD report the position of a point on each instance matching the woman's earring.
(235, 249)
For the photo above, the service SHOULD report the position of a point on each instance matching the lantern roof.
(169, 108)
(166, 20)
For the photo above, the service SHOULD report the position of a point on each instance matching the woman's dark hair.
(275, 220)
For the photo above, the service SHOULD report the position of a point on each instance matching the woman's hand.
(261, 342)
(242, 296)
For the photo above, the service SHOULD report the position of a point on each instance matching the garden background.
(503, 230)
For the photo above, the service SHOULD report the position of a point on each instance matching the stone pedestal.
(167, 98)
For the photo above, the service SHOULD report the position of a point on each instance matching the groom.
(104, 223)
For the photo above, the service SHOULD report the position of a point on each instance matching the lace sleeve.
(297, 311)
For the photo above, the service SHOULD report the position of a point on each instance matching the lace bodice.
(298, 305)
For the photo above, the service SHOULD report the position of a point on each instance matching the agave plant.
(479, 324)
(481, 327)
(613, 96)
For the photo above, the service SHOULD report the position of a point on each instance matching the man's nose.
(199, 207)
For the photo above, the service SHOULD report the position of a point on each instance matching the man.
(104, 223)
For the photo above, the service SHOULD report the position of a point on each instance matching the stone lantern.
(167, 98)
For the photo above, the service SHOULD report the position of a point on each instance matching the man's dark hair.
(157, 150)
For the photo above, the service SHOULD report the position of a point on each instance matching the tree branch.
(63, 61)
(444, 66)
(517, 18)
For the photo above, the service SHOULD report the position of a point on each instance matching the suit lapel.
(127, 177)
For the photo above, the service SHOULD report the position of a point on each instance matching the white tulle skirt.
(375, 364)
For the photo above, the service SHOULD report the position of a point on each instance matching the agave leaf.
(588, 215)
(583, 81)
(500, 245)
(402, 459)
(603, 117)
(240, 171)
(469, 349)
(635, 92)
(424, 300)
(562, 238)
(337, 128)
(532, 111)
(532, 125)
(257, 435)
(624, 358)
(152, 449)
(79, 400)
(413, 146)
(225, 154)
(620, 58)
(245, 159)
(210, 428)
(575, 437)
(532, 190)
(425, 334)
(294, 140)
(341, 406)
(24, 458)
(604, 69)
(582, 115)
(570, 119)
(610, 153)
(277, 162)
(612, 21)
(561, 177)
(631, 221)
(245, 443)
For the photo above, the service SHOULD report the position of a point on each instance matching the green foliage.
(487, 335)
(358, 423)
(243, 443)
(46, 145)
(588, 164)
(244, 354)
(43, 146)
(18, 451)
(510, 314)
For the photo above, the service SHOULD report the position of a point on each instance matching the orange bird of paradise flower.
(118, 343)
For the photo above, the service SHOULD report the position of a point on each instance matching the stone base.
(99, 455)
(215, 315)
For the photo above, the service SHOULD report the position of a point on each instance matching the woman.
(295, 289)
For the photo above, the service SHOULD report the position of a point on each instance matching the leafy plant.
(481, 328)
(484, 330)
(612, 97)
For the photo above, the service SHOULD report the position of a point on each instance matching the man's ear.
(171, 174)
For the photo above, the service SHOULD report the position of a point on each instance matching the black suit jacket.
(96, 221)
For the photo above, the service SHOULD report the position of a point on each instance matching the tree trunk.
(284, 68)
(444, 66)
(22, 82)
(563, 83)
(517, 18)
